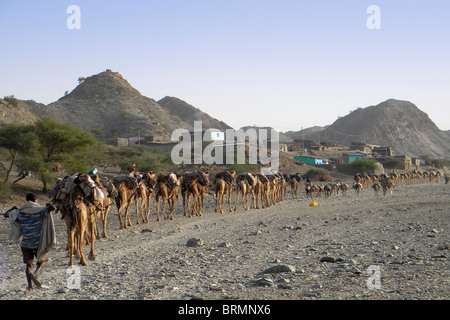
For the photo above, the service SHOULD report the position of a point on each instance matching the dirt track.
(324, 252)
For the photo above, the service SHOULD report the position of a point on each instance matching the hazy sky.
(285, 64)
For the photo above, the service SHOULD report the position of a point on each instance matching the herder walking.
(33, 224)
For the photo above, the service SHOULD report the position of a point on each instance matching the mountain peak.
(101, 85)
(396, 123)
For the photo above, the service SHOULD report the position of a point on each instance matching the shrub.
(364, 165)
(393, 164)
(11, 100)
(317, 174)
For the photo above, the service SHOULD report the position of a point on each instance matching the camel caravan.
(84, 200)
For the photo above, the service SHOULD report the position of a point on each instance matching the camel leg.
(70, 245)
(190, 212)
(136, 204)
(185, 203)
(121, 206)
(245, 200)
(217, 202)
(200, 205)
(222, 201)
(92, 253)
(162, 208)
(237, 199)
(143, 209)
(81, 236)
(157, 208)
(104, 216)
(171, 207)
(127, 213)
(148, 208)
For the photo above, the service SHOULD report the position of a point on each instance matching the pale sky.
(284, 64)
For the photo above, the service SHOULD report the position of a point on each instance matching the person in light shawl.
(32, 224)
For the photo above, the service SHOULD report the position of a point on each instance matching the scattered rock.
(225, 245)
(328, 259)
(193, 242)
(263, 282)
(279, 269)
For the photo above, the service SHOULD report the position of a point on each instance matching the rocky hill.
(283, 138)
(184, 112)
(395, 123)
(22, 113)
(109, 107)
(107, 103)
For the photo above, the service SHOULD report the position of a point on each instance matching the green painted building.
(352, 156)
(309, 161)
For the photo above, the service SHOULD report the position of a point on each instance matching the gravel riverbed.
(353, 247)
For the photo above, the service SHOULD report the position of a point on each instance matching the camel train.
(85, 199)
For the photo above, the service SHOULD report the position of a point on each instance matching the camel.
(376, 187)
(141, 195)
(194, 184)
(223, 184)
(81, 218)
(438, 176)
(126, 187)
(149, 179)
(245, 183)
(358, 187)
(264, 190)
(167, 189)
(111, 192)
(335, 187)
(308, 186)
(283, 186)
(294, 181)
(344, 188)
(274, 188)
(257, 190)
(328, 189)
(314, 191)
(387, 185)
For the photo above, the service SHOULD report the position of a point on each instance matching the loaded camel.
(167, 186)
(194, 184)
(126, 187)
(223, 184)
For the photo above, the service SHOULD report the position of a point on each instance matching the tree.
(393, 164)
(11, 100)
(16, 139)
(57, 143)
(364, 165)
(428, 160)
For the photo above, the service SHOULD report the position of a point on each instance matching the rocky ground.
(353, 247)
